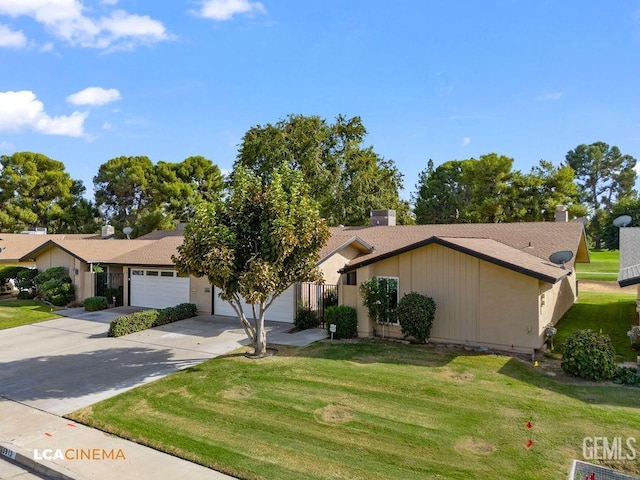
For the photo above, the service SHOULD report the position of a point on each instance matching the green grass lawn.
(14, 313)
(604, 266)
(372, 410)
(613, 313)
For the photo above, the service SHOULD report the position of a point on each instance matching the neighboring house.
(629, 273)
(493, 284)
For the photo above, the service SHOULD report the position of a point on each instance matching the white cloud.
(549, 96)
(67, 19)
(221, 10)
(94, 96)
(466, 141)
(12, 39)
(22, 110)
(6, 146)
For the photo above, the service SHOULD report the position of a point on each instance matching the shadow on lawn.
(30, 305)
(597, 393)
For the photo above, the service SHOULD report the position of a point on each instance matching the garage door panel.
(155, 288)
(281, 310)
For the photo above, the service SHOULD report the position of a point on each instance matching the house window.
(351, 278)
(390, 284)
(152, 273)
(137, 272)
(166, 274)
(380, 296)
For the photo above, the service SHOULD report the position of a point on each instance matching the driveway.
(64, 364)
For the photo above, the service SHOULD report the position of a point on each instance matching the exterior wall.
(126, 271)
(76, 268)
(477, 302)
(201, 294)
(337, 261)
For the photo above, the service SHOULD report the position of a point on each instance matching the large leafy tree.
(36, 191)
(179, 186)
(629, 205)
(264, 237)
(123, 189)
(133, 192)
(346, 178)
(489, 190)
(604, 176)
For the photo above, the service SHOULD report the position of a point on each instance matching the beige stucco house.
(629, 273)
(493, 284)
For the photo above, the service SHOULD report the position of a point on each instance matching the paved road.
(61, 365)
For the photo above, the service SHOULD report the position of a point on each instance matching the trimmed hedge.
(346, 321)
(138, 321)
(415, 313)
(306, 318)
(93, 304)
(590, 355)
(54, 284)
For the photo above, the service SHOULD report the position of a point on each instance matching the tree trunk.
(260, 342)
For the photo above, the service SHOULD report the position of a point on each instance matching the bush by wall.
(54, 285)
(93, 304)
(138, 321)
(589, 355)
(346, 321)
(627, 376)
(25, 283)
(306, 318)
(415, 313)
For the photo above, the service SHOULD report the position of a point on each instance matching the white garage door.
(281, 310)
(157, 288)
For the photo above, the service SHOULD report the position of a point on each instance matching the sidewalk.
(23, 430)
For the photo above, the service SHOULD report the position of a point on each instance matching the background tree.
(488, 190)
(178, 186)
(36, 191)
(264, 237)
(123, 189)
(629, 205)
(604, 175)
(347, 179)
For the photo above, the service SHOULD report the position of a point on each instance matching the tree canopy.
(604, 176)
(346, 178)
(132, 191)
(36, 191)
(261, 239)
(488, 190)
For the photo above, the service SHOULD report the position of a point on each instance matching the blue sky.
(85, 81)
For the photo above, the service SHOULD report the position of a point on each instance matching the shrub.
(55, 286)
(379, 295)
(109, 293)
(415, 313)
(306, 318)
(25, 295)
(627, 376)
(93, 304)
(11, 273)
(346, 321)
(138, 321)
(589, 355)
(25, 283)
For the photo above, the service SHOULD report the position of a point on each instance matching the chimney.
(108, 231)
(383, 217)
(562, 213)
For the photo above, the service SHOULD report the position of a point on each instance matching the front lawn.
(14, 313)
(604, 266)
(611, 313)
(372, 410)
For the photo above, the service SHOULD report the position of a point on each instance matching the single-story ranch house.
(493, 284)
(629, 273)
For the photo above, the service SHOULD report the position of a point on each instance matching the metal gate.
(110, 285)
(316, 298)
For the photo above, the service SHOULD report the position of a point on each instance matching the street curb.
(47, 468)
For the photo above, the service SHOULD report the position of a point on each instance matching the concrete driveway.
(61, 365)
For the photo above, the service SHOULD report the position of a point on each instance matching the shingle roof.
(535, 240)
(14, 246)
(629, 276)
(90, 251)
(153, 253)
